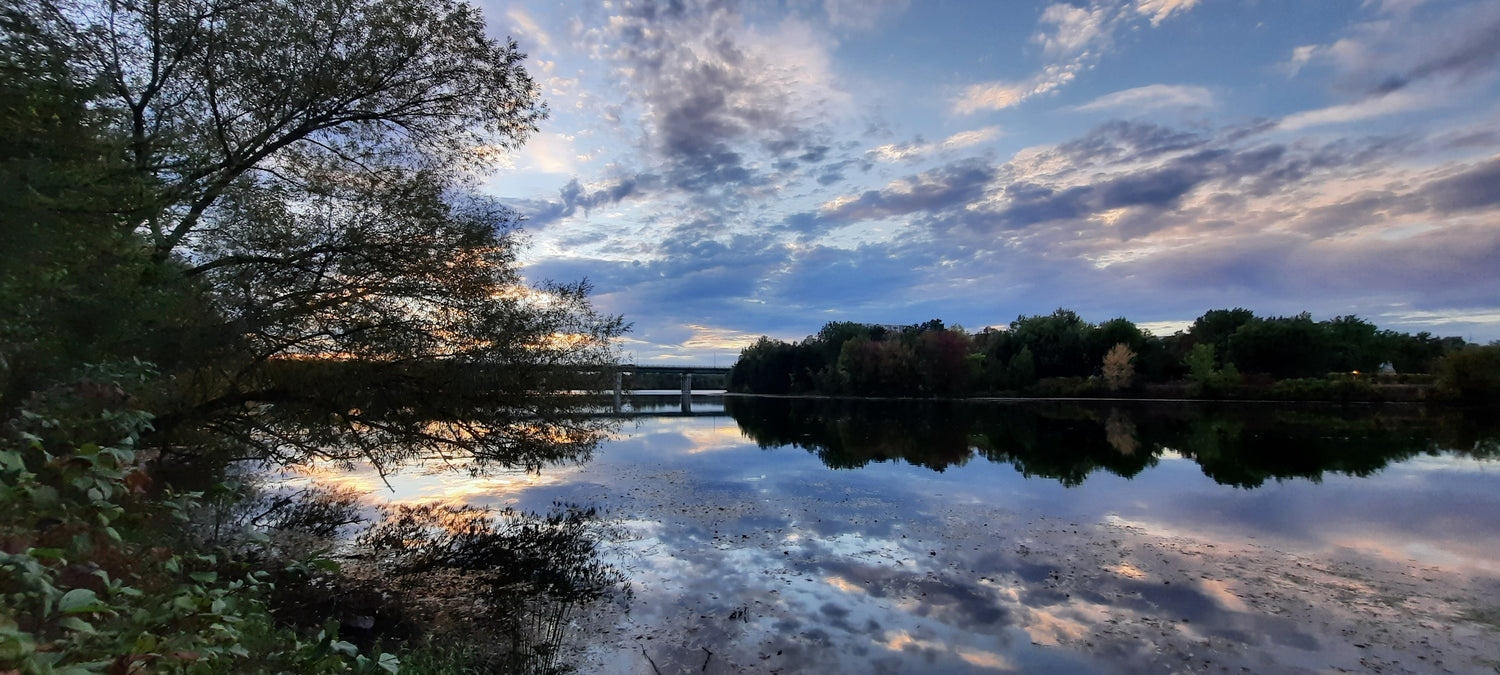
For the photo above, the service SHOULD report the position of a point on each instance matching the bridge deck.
(674, 369)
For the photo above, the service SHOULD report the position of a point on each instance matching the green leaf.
(389, 663)
(325, 564)
(204, 577)
(11, 460)
(145, 643)
(15, 644)
(44, 495)
(45, 553)
(79, 601)
(74, 623)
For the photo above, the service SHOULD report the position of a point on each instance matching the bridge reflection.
(666, 405)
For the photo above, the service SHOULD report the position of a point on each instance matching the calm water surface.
(777, 535)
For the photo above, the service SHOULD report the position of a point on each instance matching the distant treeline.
(1225, 353)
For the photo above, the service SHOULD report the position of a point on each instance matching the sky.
(722, 170)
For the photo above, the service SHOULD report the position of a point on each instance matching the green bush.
(86, 584)
(1470, 374)
(1068, 387)
(1341, 388)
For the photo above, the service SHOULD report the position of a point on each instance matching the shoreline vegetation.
(252, 233)
(1226, 355)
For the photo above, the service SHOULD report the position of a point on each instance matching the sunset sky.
(724, 170)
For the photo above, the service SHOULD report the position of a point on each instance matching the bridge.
(686, 371)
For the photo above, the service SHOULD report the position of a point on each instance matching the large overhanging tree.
(309, 165)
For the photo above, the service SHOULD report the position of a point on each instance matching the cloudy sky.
(721, 170)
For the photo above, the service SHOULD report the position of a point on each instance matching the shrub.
(1470, 374)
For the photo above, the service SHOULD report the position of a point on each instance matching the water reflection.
(1037, 538)
(1242, 446)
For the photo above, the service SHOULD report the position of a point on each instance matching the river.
(782, 535)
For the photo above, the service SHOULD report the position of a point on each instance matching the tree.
(1119, 368)
(1471, 373)
(766, 367)
(69, 279)
(1355, 345)
(212, 95)
(306, 168)
(1418, 353)
(1116, 331)
(1021, 369)
(1208, 380)
(1217, 325)
(1059, 343)
(1282, 347)
(942, 362)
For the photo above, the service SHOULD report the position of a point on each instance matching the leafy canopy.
(296, 179)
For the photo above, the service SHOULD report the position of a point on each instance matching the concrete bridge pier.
(687, 392)
(619, 389)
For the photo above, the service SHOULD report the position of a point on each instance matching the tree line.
(1225, 352)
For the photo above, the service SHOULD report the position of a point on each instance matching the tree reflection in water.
(502, 589)
(502, 586)
(1243, 445)
(518, 577)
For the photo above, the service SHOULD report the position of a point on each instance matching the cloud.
(1125, 181)
(1160, 10)
(1372, 107)
(952, 185)
(1068, 30)
(548, 153)
(1106, 221)
(529, 28)
(753, 200)
(1301, 56)
(992, 96)
(1121, 141)
(867, 282)
(1401, 49)
(717, 95)
(899, 152)
(999, 95)
(862, 14)
(1474, 188)
(1073, 39)
(575, 197)
(1152, 97)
